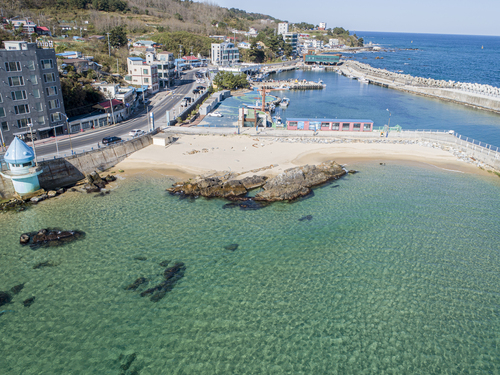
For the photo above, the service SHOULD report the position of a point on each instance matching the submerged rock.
(231, 247)
(126, 361)
(95, 182)
(50, 237)
(165, 263)
(16, 289)
(140, 258)
(5, 298)
(44, 264)
(28, 302)
(307, 217)
(136, 283)
(171, 275)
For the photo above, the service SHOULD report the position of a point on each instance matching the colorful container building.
(341, 125)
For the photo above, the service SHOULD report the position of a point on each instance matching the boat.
(284, 102)
(363, 80)
(277, 121)
(318, 67)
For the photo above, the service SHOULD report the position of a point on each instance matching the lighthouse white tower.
(22, 170)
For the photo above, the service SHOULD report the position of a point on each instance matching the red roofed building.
(42, 30)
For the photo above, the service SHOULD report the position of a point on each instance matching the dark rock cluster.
(50, 237)
(218, 187)
(95, 182)
(171, 275)
(287, 186)
(6, 297)
(21, 203)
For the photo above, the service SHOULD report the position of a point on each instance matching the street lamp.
(69, 131)
(389, 124)
(30, 125)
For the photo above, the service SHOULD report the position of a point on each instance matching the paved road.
(159, 104)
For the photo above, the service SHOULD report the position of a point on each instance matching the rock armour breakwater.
(471, 94)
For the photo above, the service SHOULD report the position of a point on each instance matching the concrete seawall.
(478, 96)
(67, 171)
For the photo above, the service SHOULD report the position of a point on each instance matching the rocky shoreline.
(293, 183)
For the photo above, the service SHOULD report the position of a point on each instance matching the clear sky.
(468, 17)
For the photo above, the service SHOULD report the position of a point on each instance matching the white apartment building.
(322, 26)
(282, 28)
(143, 74)
(224, 54)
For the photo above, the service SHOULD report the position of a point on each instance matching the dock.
(289, 85)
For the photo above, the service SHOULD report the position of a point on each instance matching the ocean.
(398, 270)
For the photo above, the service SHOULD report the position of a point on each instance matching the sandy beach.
(193, 155)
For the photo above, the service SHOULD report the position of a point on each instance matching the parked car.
(196, 91)
(136, 132)
(201, 88)
(215, 114)
(111, 140)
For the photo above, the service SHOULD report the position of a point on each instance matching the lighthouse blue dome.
(19, 152)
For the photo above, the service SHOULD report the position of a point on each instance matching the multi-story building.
(224, 54)
(30, 92)
(282, 28)
(292, 39)
(166, 66)
(322, 26)
(143, 74)
(24, 24)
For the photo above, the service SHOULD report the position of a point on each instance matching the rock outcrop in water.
(289, 185)
(50, 237)
(95, 182)
(5, 298)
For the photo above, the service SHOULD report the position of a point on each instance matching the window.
(2, 112)
(144, 71)
(53, 103)
(55, 117)
(5, 126)
(325, 125)
(13, 66)
(160, 75)
(146, 80)
(49, 77)
(1, 98)
(46, 64)
(22, 109)
(52, 90)
(36, 93)
(38, 107)
(356, 127)
(345, 126)
(18, 95)
(23, 123)
(31, 65)
(41, 120)
(366, 127)
(335, 126)
(34, 79)
(16, 81)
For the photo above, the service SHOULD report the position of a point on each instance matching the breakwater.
(471, 94)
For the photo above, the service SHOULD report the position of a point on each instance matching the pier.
(289, 85)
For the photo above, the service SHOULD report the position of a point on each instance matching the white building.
(143, 74)
(333, 42)
(282, 28)
(224, 54)
(292, 39)
(322, 26)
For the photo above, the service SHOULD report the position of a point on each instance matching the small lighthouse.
(22, 169)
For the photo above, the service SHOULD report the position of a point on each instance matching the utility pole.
(117, 72)
(109, 46)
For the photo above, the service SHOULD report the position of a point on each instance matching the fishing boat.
(318, 67)
(363, 80)
(277, 121)
(284, 102)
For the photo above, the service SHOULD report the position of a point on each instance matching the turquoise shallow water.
(397, 272)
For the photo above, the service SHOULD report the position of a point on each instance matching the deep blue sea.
(461, 58)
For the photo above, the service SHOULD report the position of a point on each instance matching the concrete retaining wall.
(67, 171)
